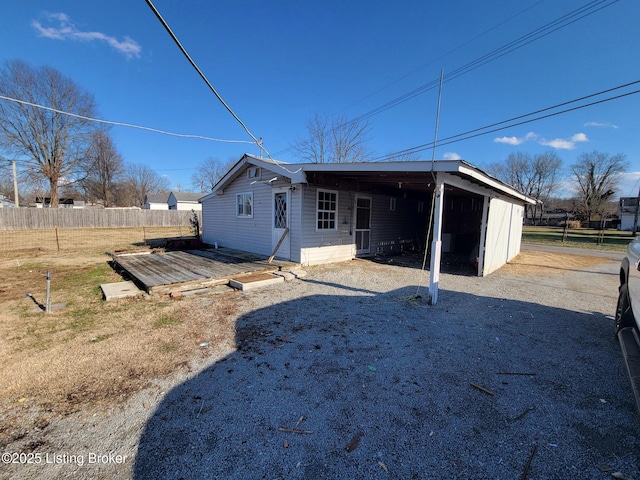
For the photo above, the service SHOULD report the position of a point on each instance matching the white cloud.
(600, 125)
(559, 143)
(565, 143)
(66, 30)
(451, 156)
(516, 140)
(508, 140)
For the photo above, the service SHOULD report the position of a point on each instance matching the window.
(244, 204)
(392, 204)
(253, 172)
(327, 210)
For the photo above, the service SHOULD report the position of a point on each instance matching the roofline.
(296, 172)
(446, 166)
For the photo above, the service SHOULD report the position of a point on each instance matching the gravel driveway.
(345, 375)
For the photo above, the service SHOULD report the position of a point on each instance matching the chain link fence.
(27, 231)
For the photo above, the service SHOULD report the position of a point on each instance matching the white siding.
(326, 245)
(220, 223)
(504, 233)
(189, 206)
(157, 206)
(295, 221)
(391, 231)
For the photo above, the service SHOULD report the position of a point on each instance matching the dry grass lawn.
(549, 263)
(90, 351)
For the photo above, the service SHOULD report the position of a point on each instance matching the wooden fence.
(36, 230)
(48, 218)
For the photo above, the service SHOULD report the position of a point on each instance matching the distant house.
(45, 202)
(156, 202)
(5, 202)
(185, 201)
(627, 212)
(319, 213)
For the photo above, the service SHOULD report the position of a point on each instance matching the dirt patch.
(531, 262)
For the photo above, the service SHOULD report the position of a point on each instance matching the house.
(156, 201)
(6, 202)
(627, 212)
(317, 213)
(184, 201)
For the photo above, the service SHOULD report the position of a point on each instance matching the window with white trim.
(244, 205)
(326, 210)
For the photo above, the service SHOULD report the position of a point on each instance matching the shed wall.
(504, 233)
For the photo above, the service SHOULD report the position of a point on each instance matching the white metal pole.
(15, 186)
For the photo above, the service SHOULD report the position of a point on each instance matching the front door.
(281, 224)
(363, 225)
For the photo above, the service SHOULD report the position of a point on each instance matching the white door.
(281, 223)
(363, 225)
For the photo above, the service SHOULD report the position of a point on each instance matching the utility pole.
(15, 186)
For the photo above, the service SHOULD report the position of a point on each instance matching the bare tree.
(336, 141)
(596, 177)
(209, 172)
(51, 143)
(536, 177)
(104, 169)
(140, 181)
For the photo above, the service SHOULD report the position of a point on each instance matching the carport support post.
(436, 244)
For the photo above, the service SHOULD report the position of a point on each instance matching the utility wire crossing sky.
(273, 66)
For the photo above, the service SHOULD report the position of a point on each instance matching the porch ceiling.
(389, 183)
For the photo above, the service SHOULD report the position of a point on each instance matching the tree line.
(70, 154)
(593, 179)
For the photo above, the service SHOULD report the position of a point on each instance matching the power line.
(258, 142)
(472, 133)
(202, 75)
(537, 34)
(120, 124)
(444, 55)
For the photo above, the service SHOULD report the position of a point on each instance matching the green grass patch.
(168, 347)
(165, 320)
(609, 240)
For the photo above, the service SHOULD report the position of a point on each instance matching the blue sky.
(278, 63)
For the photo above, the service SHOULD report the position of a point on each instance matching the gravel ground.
(345, 375)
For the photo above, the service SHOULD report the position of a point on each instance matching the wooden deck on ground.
(178, 271)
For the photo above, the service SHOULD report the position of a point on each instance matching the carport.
(471, 213)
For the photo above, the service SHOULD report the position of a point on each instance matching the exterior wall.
(391, 231)
(394, 231)
(156, 206)
(326, 246)
(626, 222)
(186, 206)
(504, 233)
(295, 221)
(220, 223)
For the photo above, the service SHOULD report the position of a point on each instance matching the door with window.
(363, 225)
(280, 224)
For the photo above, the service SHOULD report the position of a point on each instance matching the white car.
(628, 315)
